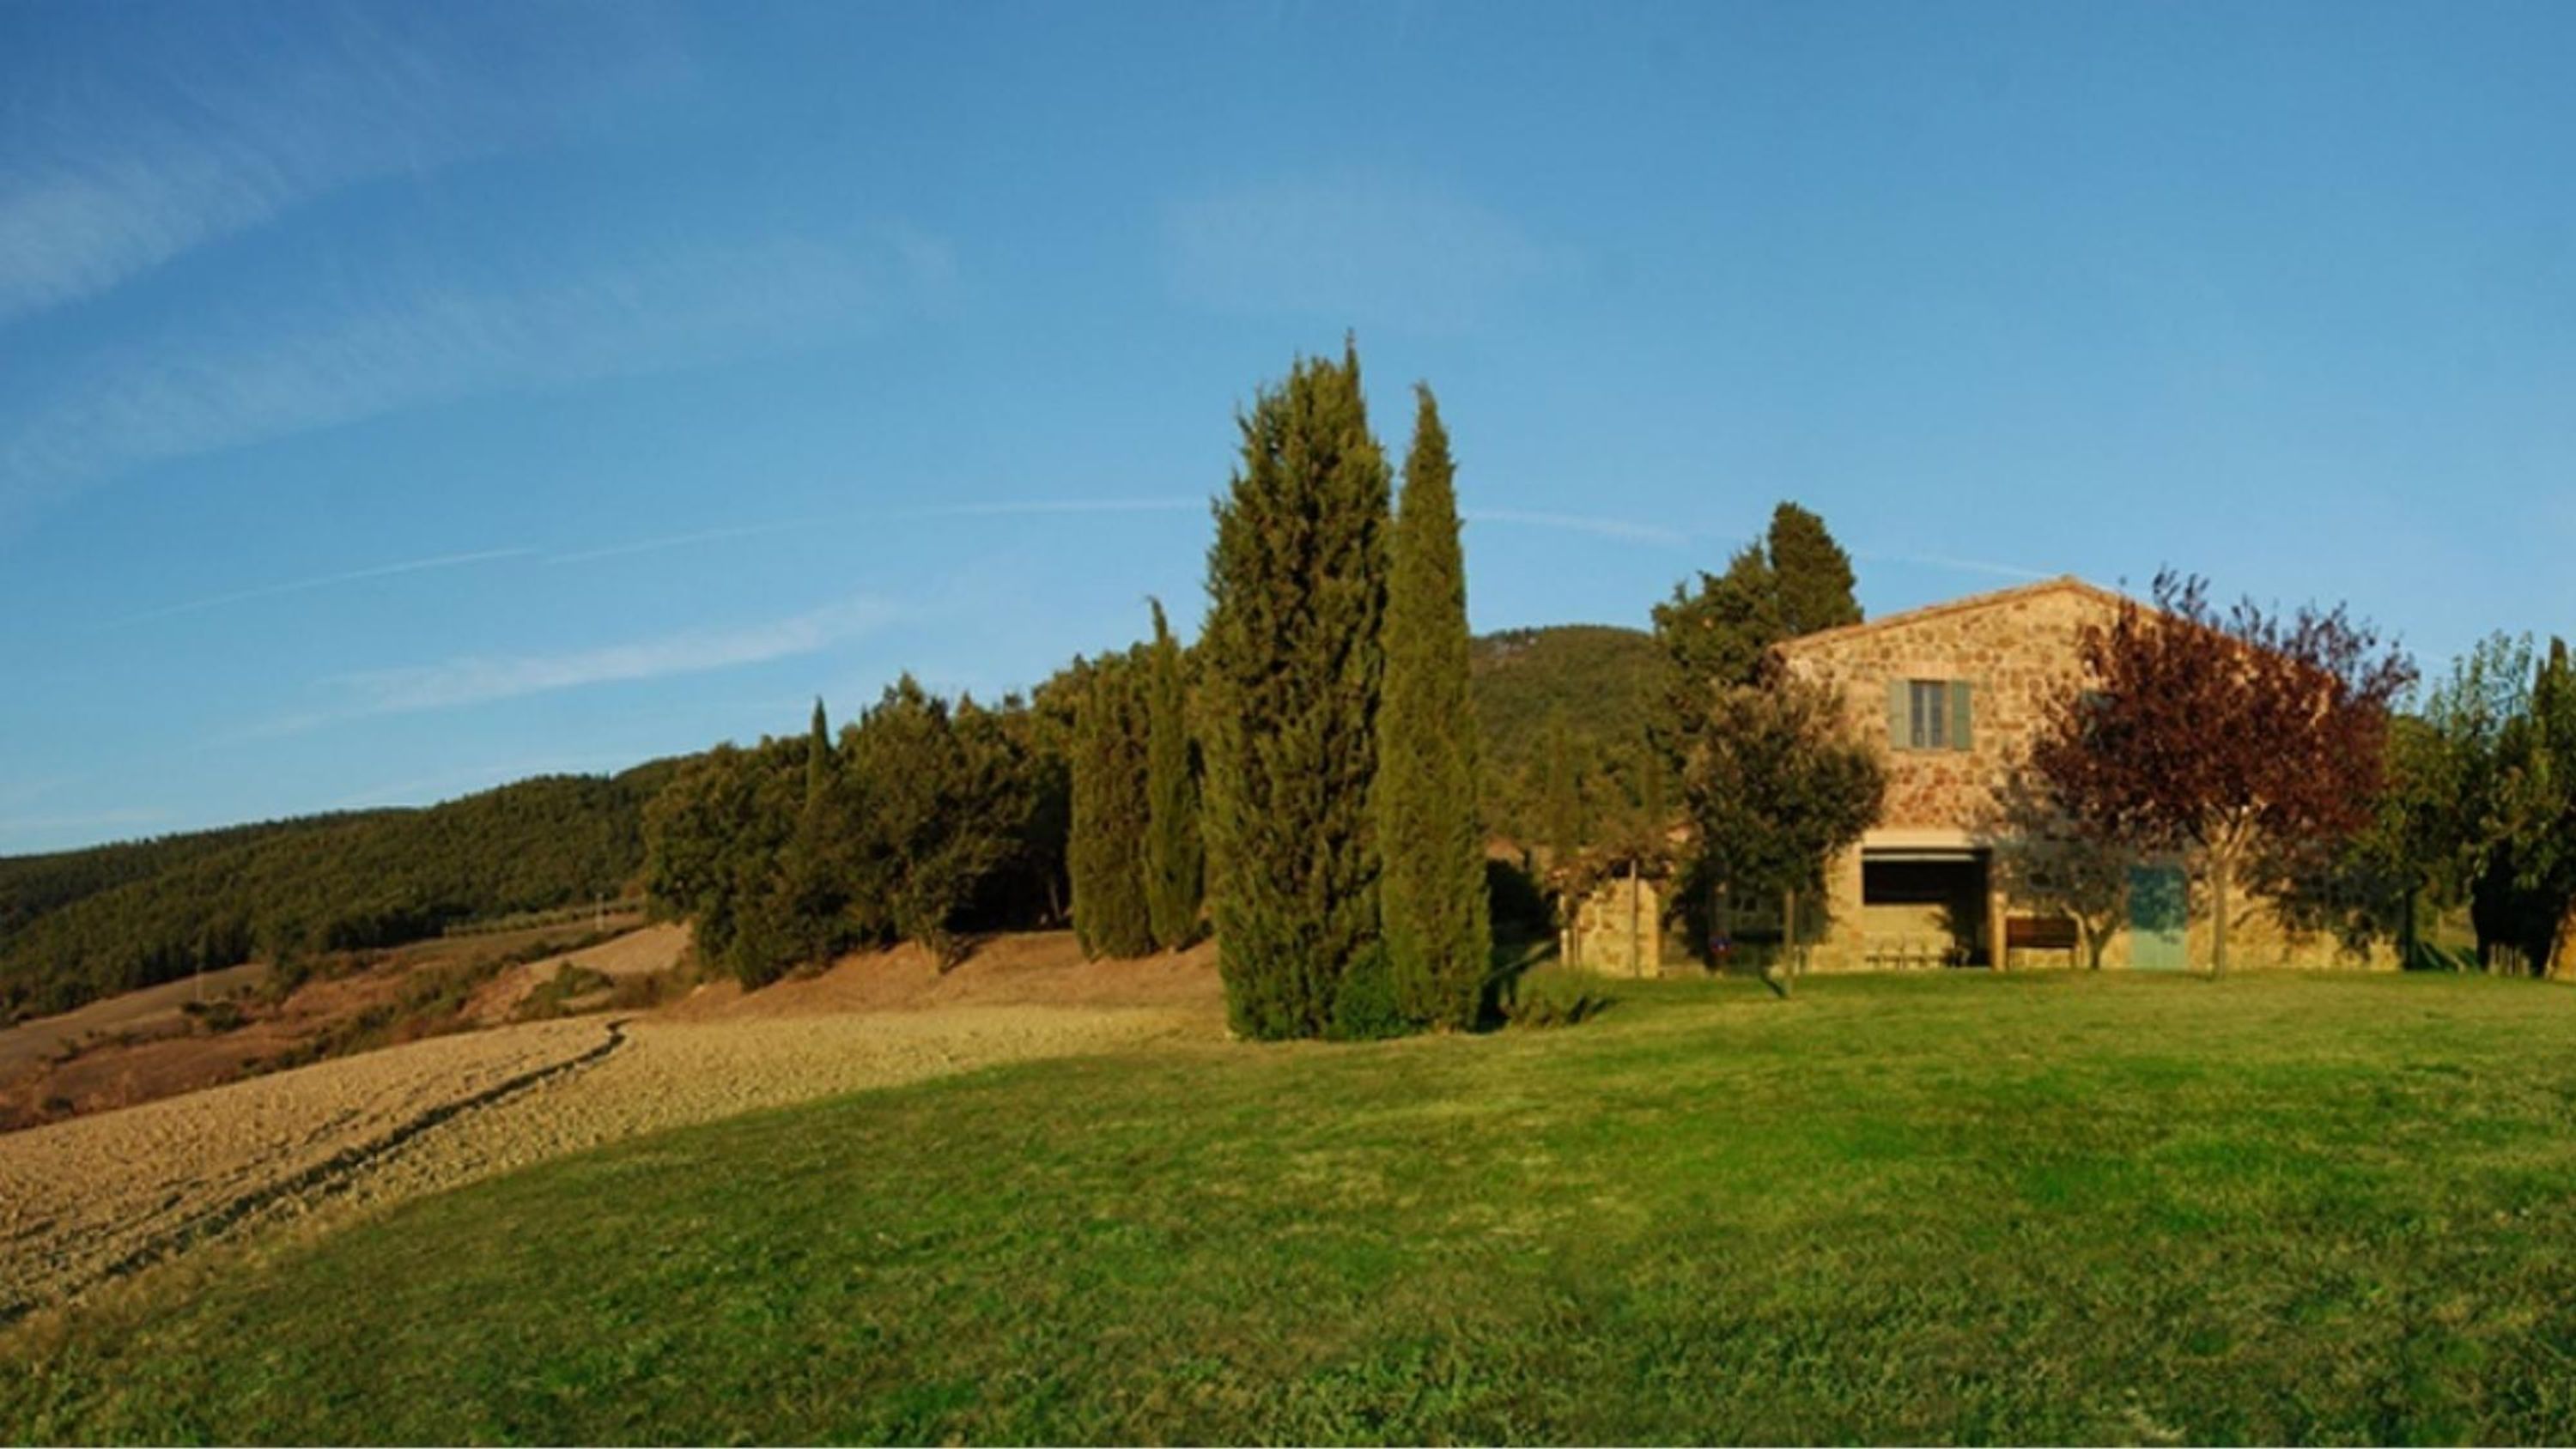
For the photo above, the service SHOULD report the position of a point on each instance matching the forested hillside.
(1598, 683)
(84, 924)
(32, 885)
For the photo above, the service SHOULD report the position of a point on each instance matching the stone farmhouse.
(1968, 865)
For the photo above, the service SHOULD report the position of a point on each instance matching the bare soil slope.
(645, 952)
(153, 1009)
(144, 1045)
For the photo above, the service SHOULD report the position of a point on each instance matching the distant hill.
(1604, 682)
(78, 925)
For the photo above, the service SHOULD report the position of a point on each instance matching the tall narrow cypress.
(1563, 805)
(1291, 668)
(1432, 900)
(818, 766)
(813, 891)
(1106, 852)
(1172, 853)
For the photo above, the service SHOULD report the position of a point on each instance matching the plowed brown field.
(93, 1198)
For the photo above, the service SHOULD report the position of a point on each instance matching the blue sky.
(396, 400)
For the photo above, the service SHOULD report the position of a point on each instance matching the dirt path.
(93, 1198)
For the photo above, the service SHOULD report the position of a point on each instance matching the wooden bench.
(2040, 933)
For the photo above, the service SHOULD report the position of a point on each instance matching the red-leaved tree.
(2218, 732)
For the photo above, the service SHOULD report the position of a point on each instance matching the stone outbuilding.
(1615, 927)
(1969, 865)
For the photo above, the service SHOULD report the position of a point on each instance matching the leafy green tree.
(942, 798)
(1778, 781)
(1174, 858)
(2530, 880)
(1107, 854)
(1291, 672)
(1718, 634)
(1031, 888)
(716, 838)
(1717, 643)
(1795, 580)
(1432, 899)
(2437, 830)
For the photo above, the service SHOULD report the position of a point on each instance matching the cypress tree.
(1564, 806)
(1810, 574)
(811, 893)
(1432, 898)
(1109, 809)
(1292, 668)
(818, 765)
(1172, 852)
(1651, 805)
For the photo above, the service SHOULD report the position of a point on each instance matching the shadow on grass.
(1516, 996)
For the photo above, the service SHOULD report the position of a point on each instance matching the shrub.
(1554, 1000)
(1366, 1009)
(219, 1016)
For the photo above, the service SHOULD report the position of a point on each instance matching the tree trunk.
(1797, 950)
(2222, 871)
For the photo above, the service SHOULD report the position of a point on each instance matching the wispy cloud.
(1359, 248)
(324, 581)
(412, 346)
(1954, 565)
(113, 170)
(1618, 528)
(480, 680)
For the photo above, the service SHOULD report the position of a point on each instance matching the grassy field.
(2016, 1208)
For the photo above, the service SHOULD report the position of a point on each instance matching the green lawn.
(2017, 1208)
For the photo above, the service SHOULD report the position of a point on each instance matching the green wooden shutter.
(1900, 713)
(1959, 713)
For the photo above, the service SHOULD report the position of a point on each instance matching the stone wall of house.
(2017, 651)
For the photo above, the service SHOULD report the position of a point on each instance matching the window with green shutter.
(1930, 714)
(1931, 724)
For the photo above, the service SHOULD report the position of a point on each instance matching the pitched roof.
(2063, 583)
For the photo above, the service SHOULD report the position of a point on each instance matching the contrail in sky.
(670, 541)
(324, 581)
(1958, 565)
(1581, 523)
